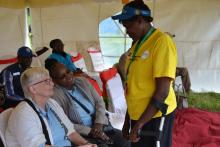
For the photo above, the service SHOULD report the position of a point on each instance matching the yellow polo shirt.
(156, 57)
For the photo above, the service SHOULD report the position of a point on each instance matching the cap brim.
(121, 17)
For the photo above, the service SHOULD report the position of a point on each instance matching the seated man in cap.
(10, 76)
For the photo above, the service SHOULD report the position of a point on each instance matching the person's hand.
(125, 130)
(134, 133)
(98, 134)
(126, 127)
(96, 130)
(98, 126)
(88, 145)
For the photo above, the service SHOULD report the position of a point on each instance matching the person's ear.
(32, 90)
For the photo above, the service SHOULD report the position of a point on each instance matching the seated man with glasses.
(39, 121)
(82, 104)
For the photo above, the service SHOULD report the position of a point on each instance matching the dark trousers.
(152, 125)
(116, 137)
(1, 143)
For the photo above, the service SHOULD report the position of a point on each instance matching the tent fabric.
(195, 24)
(196, 128)
(196, 27)
(43, 3)
(77, 26)
(11, 30)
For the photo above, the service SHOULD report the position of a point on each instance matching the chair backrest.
(116, 101)
(4, 116)
(105, 76)
(97, 59)
(115, 92)
(79, 62)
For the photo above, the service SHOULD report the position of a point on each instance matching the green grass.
(206, 101)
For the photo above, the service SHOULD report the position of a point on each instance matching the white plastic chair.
(96, 58)
(116, 101)
(4, 116)
(79, 61)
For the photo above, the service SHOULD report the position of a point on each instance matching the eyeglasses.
(63, 76)
(46, 81)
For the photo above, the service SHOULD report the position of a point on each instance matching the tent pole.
(27, 28)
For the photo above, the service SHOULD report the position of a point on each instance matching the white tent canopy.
(195, 24)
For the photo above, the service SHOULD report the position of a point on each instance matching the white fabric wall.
(194, 22)
(196, 26)
(76, 24)
(11, 30)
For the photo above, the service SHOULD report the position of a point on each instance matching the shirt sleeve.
(26, 126)
(164, 58)
(70, 63)
(9, 88)
(100, 116)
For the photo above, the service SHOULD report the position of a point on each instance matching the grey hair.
(31, 76)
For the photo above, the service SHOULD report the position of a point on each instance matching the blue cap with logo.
(25, 52)
(129, 12)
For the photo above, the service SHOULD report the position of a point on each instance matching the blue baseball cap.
(129, 12)
(25, 52)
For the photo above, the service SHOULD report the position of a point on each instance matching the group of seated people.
(56, 105)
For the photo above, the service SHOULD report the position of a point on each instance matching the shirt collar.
(40, 110)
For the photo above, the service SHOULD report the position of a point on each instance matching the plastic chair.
(4, 116)
(79, 62)
(116, 101)
(116, 97)
(96, 58)
(181, 95)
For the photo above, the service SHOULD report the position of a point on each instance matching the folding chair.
(180, 92)
(117, 106)
(4, 116)
(97, 59)
(79, 61)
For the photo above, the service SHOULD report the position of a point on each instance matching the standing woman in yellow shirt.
(150, 71)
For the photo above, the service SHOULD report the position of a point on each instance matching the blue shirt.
(58, 131)
(85, 116)
(67, 61)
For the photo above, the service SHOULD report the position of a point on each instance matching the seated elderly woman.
(84, 107)
(39, 121)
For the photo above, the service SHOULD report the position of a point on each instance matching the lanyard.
(137, 47)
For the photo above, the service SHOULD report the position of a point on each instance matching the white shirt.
(24, 127)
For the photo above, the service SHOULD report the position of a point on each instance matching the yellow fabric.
(157, 57)
(124, 1)
(37, 3)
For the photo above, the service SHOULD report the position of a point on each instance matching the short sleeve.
(164, 58)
